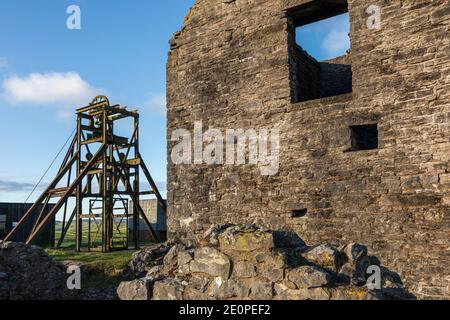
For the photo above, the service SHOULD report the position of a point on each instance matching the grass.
(99, 270)
(116, 259)
(120, 240)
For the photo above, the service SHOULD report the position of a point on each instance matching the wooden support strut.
(144, 217)
(161, 202)
(127, 183)
(100, 118)
(70, 190)
(42, 197)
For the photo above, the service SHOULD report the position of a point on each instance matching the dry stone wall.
(230, 67)
(248, 262)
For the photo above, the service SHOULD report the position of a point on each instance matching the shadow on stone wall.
(314, 80)
(248, 262)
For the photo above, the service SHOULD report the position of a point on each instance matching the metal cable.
(51, 165)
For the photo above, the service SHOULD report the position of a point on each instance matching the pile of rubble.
(231, 262)
(29, 273)
(248, 262)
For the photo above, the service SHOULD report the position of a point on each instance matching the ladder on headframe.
(98, 156)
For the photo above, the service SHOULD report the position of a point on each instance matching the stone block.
(261, 290)
(243, 241)
(210, 261)
(325, 256)
(309, 277)
(244, 269)
(139, 289)
(168, 289)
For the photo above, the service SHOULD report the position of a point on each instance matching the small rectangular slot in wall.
(364, 137)
(300, 213)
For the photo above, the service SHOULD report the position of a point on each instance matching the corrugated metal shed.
(14, 211)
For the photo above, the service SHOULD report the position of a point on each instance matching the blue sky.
(121, 50)
(47, 70)
(326, 39)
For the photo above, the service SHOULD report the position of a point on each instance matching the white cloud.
(14, 186)
(336, 42)
(330, 36)
(54, 89)
(157, 103)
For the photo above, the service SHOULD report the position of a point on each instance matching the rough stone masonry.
(249, 262)
(235, 64)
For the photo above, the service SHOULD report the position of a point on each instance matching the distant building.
(155, 214)
(11, 213)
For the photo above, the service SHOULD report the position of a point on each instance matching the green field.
(120, 239)
(102, 270)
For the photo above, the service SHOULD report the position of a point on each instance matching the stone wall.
(311, 79)
(230, 68)
(305, 75)
(336, 77)
(248, 262)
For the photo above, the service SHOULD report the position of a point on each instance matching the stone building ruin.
(364, 138)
